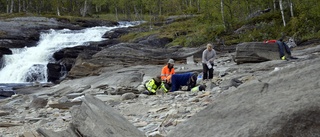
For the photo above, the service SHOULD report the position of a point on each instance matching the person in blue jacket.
(183, 79)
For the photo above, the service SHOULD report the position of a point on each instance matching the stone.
(6, 124)
(256, 52)
(128, 96)
(73, 95)
(63, 99)
(109, 98)
(65, 105)
(156, 110)
(140, 124)
(4, 113)
(38, 102)
(88, 118)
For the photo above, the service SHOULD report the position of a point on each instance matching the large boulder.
(281, 103)
(256, 52)
(96, 119)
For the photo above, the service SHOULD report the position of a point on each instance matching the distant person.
(153, 85)
(283, 47)
(208, 56)
(188, 80)
(166, 73)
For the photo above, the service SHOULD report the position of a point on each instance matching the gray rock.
(63, 99)
(73, 95)
(128, 96)
(4, 113)
(88, 118)
(109, 98)
(38, 103)
(256, 52)
(273, 105)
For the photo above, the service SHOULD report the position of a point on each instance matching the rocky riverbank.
(49, 107)
(102, 96)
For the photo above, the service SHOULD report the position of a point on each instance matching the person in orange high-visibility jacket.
(167, 71)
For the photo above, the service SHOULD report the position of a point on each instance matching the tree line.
(226, 12)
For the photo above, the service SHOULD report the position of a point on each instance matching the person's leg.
(287, 49)
(281, 50)
(211, 72)
(205, 71)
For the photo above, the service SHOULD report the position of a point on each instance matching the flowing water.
(27, 63)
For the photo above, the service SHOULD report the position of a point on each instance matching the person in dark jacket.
(283, 47)
(184, 79)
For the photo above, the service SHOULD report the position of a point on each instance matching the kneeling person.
(153, 85)
(184, 79)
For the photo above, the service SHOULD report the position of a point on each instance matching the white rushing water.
(27, 62)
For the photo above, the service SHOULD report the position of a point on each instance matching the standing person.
(166, 73)
(208, 56)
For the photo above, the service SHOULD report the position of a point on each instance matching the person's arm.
(204, 53)
(162, 86)
(214, 55)
(163, 74)
(173, 71)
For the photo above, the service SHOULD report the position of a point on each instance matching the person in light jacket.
(208, 56)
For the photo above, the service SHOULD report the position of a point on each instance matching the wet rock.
(116, 33)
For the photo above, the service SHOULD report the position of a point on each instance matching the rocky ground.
(157, 115)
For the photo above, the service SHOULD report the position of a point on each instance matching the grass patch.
(135, 35)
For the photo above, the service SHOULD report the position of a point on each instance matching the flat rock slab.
(275, 104)
(96, 119)
(6, 124)
(256, 52)
(65, 105)
(4, 113)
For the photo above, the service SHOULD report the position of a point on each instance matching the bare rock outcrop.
(126, 55)
(256, 52)
(96, 119)
(283, 102)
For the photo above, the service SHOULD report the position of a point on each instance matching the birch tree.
(7, 6)
(291, 8)
(282, 14)
(222, 14)
(11, 6)
(83, 11)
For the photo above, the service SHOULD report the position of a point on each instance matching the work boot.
(284, 58)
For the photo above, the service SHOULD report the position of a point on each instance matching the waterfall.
(28, 63)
